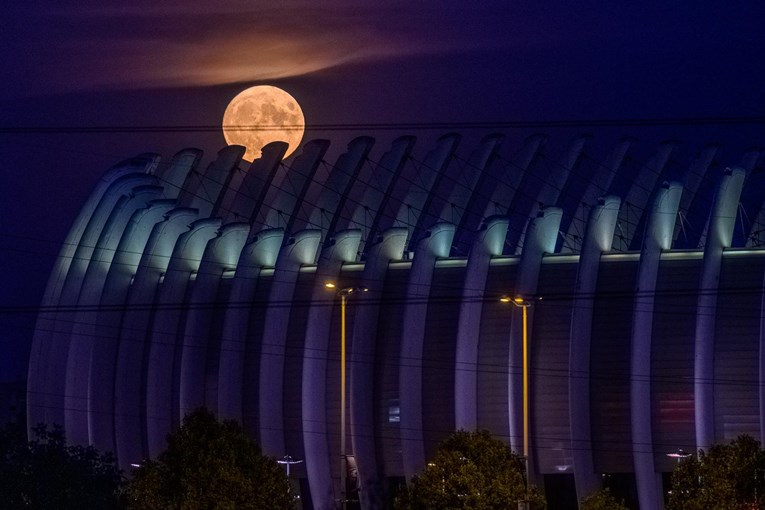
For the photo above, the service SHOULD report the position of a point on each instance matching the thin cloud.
(150, 44)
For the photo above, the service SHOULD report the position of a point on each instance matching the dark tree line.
(470, 470)
(214, 465)
(46, 472)
(207, 465)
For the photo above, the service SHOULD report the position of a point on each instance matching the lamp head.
(345, 291)
(679, 454)
(517, 301)
(352, 290)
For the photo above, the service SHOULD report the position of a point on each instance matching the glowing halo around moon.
(261, 115)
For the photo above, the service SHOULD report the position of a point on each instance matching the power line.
(503, 124)
(488, 297)
(145, 335)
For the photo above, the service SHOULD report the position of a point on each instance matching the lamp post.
(344, 293)
(679, 454)
(288, 461)
(523, 305)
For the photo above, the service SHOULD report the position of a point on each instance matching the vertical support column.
(499, 191)
(198, 359)
(694, 204)
(371, 200)
(452, 194)
(47, 361)
(242, 202)
(577, 205)
(424, 181)
(488, 242)
(541, 236)
(720, 234)
(105, 324)
(315, 393)
(363, 429)
(206, 190)
(436, 243)
(172, 175)
(125, 400)
(598, 238)
(641, 185)
(260, 252)
(298, 250)
(285, 202)
(396, 181)
(658, 236)
(158, 406)
(81, 345)
(540, 186)
(330, 205)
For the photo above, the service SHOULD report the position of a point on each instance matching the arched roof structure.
(179, 286)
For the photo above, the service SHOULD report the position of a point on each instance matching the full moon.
(261, 115)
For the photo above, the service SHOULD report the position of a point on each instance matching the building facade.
(183, 285)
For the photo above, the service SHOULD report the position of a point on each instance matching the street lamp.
(288, 460)
(344, 293)
(679, 454)
(523, 304)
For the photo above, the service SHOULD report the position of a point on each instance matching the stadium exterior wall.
(179, 287)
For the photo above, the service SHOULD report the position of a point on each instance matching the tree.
(602, 500)
(46, 472)
(470, 470)
(727, 477)
(210, 465)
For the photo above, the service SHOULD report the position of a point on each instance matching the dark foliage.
(210, 465)
(602, 500)
(726, 477)
(471, 470)
(47, 473)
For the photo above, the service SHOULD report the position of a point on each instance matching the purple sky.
(146, 63)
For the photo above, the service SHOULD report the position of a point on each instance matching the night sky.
(149, 67)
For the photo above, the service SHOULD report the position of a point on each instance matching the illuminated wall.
(181, 285)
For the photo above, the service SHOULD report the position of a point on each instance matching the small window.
(394, 412)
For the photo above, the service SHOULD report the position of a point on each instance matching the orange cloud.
(150, 44)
